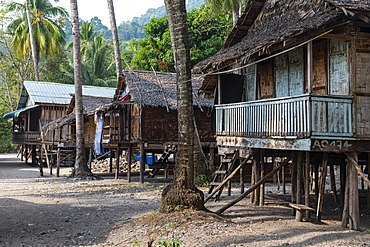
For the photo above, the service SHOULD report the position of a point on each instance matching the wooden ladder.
(227, 165)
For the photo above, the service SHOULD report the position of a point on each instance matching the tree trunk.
(33, 42)
(182, 193)
(81, 168)
(113, 25)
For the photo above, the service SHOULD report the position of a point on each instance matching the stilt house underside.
(292, 83)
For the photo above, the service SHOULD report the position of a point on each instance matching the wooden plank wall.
(319, 67)
(266, 80)
(362, 97)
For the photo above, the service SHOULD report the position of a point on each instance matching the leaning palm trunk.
(81, 168)
(33, 42)
(182, 193)
(117, 53)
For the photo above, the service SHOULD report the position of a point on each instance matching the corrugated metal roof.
(58, 93)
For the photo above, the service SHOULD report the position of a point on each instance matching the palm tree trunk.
(182, 192)
(113, 25)
(33, 42)
(81, 168)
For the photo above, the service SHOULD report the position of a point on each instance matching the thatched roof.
(267, 22)
(90, 105)
(157, 89)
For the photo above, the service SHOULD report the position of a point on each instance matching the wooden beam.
(355, 165)
(251, 189)
(337, 36)
(307, 184)
(320, 200)
(353, 198)
(230, 176)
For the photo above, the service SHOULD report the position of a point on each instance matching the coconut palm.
(182, 193)
(49, 37)
(227, 6)
(81, 168)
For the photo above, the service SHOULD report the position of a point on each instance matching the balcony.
(30, 137)
(303, 116)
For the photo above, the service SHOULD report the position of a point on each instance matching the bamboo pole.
(58, 162)
(307, 185)
(251, 189)
(320, 200)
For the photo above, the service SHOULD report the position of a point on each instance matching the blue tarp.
(98, 145)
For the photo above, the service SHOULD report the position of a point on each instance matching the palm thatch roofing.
(157, 89)
(90, 105)
(267, 22)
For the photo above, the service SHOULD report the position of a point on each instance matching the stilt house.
(39, 104)
(293, 78)
(144, 115)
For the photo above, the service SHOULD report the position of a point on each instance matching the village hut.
(292, 87)
(39, 104)
(60, 134)
(143, 117)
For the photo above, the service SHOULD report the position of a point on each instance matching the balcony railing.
(297, 116)
(26, 137)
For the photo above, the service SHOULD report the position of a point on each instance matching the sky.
(124, 9)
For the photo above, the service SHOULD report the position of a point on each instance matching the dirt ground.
(51, 211)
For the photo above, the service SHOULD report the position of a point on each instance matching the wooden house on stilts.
(293, 82)
(143, 117)
(39, 104)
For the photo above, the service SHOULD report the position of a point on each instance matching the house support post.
(129, 156)
(351, 210)
(368, 175)
(294, 180)
(110, 160)
(58, 162)
(262, 174)
(300, 183)
(26, 154)
(142, 162)
(307, 184)
(332, 181)
(118, 153)
(343, 179)
(320, 199)
(283, 179)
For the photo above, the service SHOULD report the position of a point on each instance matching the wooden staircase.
(228, 163)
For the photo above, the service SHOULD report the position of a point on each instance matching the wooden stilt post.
(142, 162)
(353, 206)
(129, 156)
(58, 162)
(316, 180)
(343, 176)
(283, 179)
(262, 174)
(241, 179)
(26, 154)
(332, 181)
(299, 177)
(368, 175)
(110, 160)
(253, 176)
(293, 192)
(345, 212)
(322, 187)
(90, 158)
(307, 184)
(118, 153)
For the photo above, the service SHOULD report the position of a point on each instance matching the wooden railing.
(26, 137)
(297, 116)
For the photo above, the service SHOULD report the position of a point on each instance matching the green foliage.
(202, 180)
(206, 35)
(49, 36)
(175, 242)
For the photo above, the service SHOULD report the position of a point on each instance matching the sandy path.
(50, 211)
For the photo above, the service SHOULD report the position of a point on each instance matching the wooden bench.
(300, 210)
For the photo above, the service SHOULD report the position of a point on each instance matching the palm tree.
(49, 37)
(81, 168)
(182, 192)
(227, 6)
(32, 41)
(117, 52)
